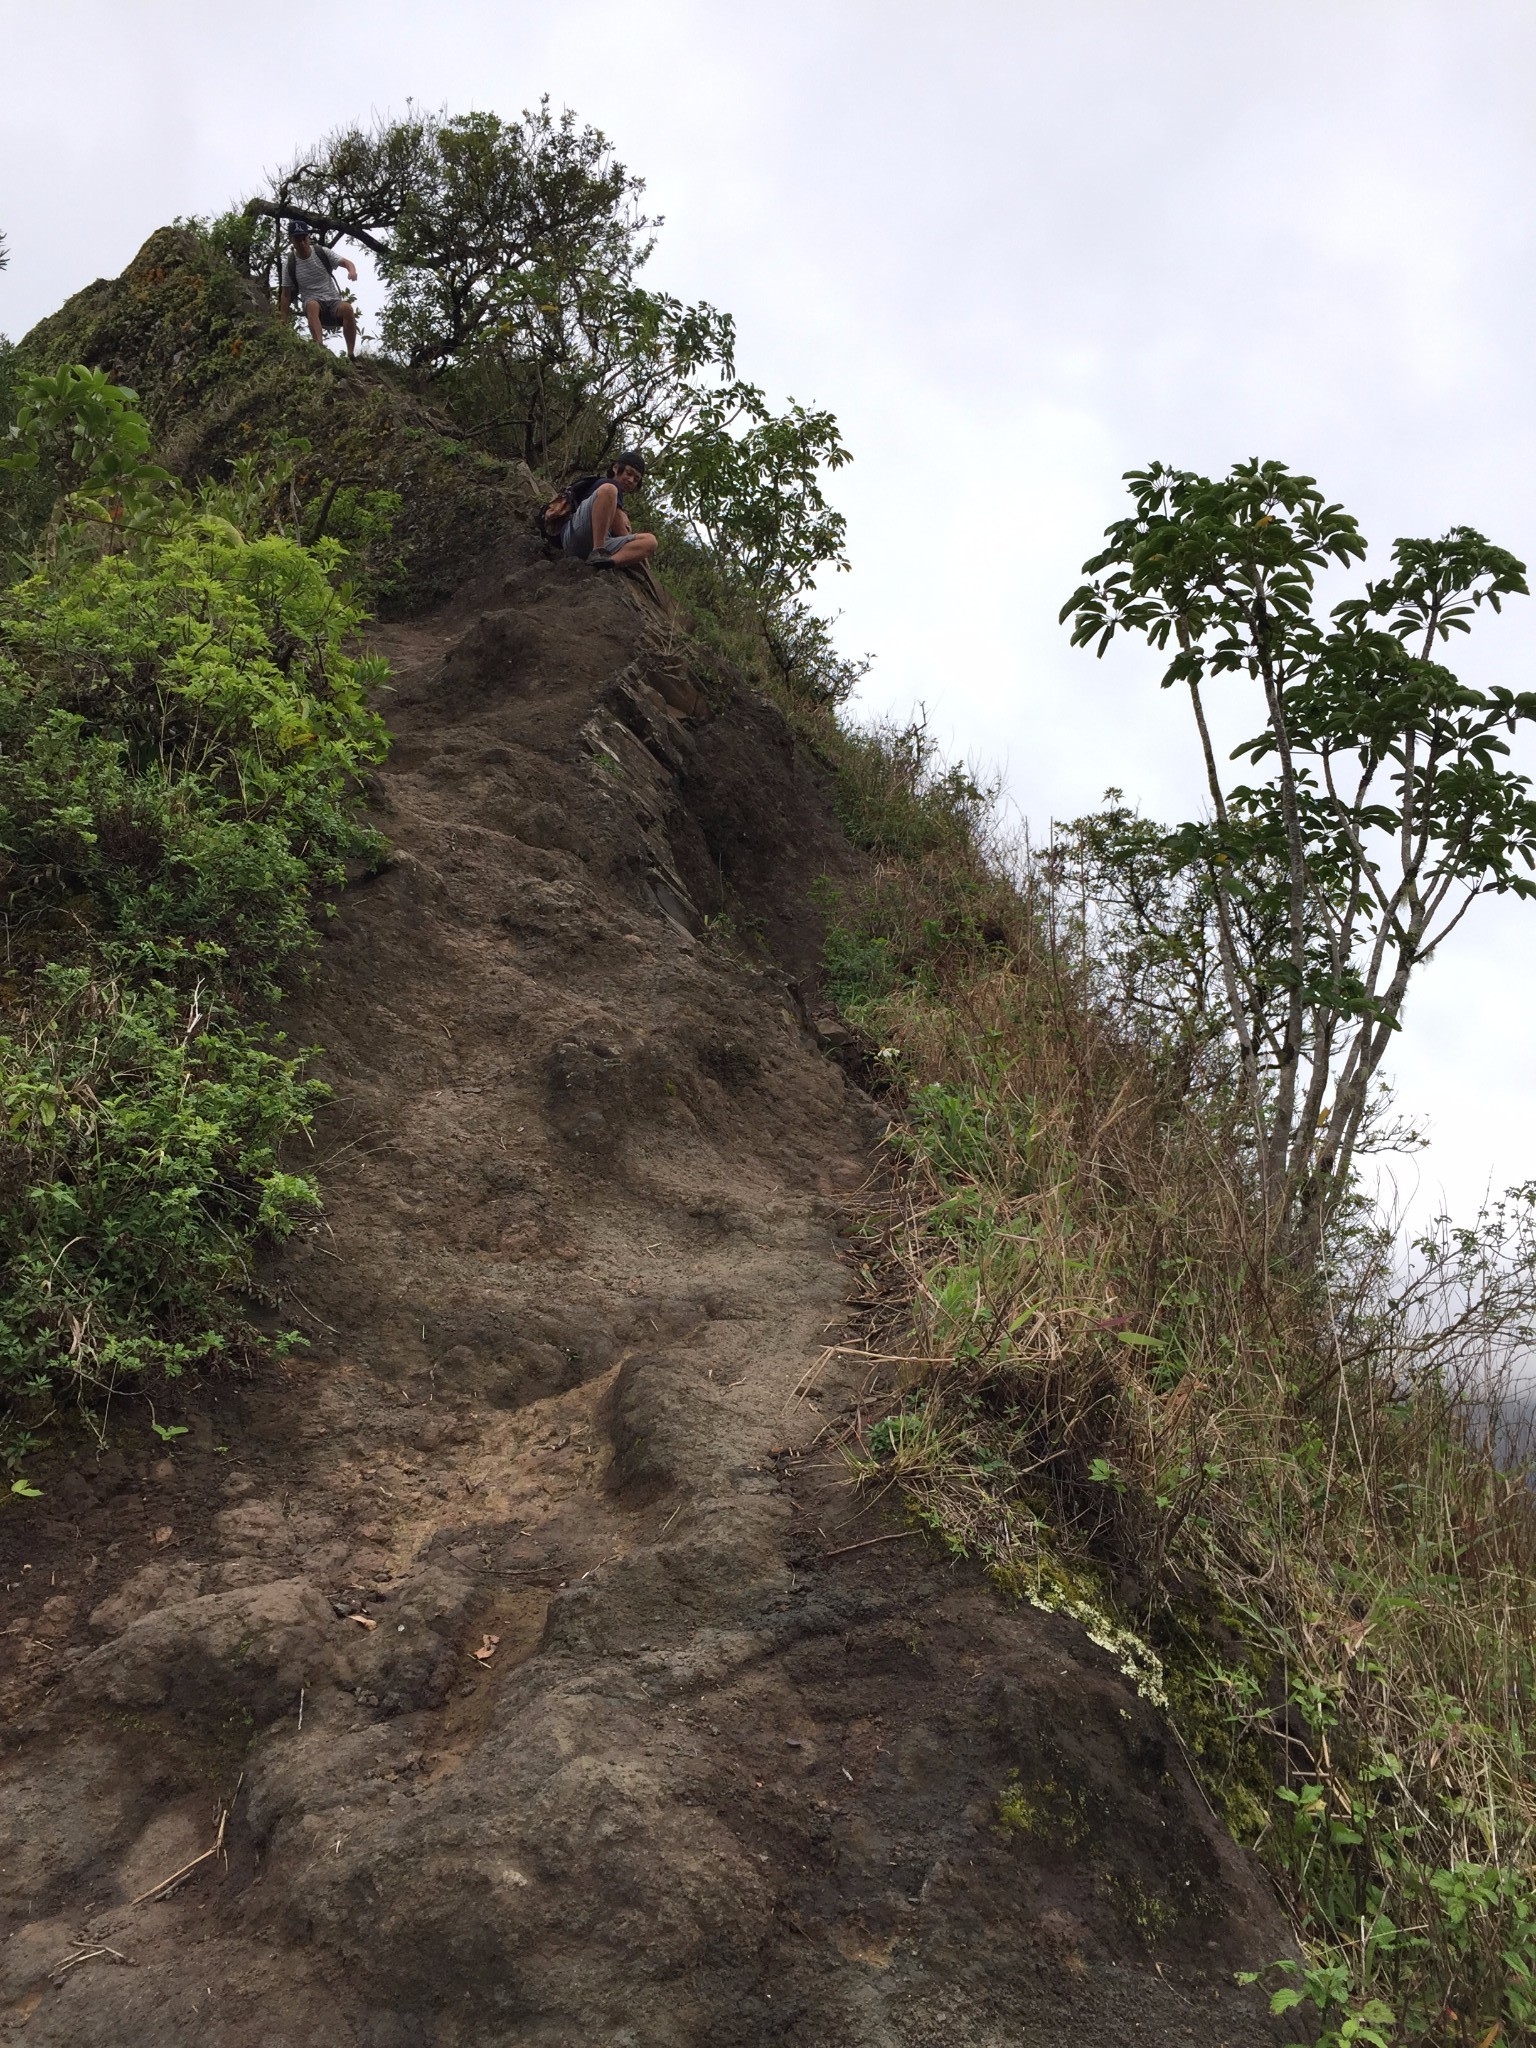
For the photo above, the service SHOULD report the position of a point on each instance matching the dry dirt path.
(520, 1642)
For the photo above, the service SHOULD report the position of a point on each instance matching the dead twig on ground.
(89, 1953)
(894, 1537)
(176, 1876)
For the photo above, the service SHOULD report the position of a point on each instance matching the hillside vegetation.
(182, 732)
(1149, 1357)
(1291, 1496)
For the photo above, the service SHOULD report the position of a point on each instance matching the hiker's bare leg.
(637, 549)
(605, 505)
(312, 315)
(349, 329)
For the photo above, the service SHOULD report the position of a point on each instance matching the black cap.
(299, 231)
(630, 459)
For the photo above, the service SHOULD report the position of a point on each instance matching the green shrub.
(183, 726)
(140, 1128)
(179, 738)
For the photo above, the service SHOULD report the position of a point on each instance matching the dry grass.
(1281, 1495)
(1294, 1503)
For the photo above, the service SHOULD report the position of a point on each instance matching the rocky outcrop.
(221, 378)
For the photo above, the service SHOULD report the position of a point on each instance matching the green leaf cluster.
(141, 1126)
(92, 434)
(180, 733)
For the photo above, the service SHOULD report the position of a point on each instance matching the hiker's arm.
(348, 266)
(284, 302)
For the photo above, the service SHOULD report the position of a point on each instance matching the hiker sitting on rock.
(309, 272)
(598, 530)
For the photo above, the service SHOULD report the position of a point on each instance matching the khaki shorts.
(577, 538)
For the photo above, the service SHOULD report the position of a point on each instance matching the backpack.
(552, 520)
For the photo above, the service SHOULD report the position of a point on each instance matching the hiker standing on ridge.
(598, 529)
(309, 272)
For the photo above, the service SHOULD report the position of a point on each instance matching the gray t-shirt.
(310, 277)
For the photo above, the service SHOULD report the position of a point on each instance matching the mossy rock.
(221, 375)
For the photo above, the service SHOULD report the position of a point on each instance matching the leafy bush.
(178, 738)
(91, 442)
(140, 1128)
(182, 729)
(26, 496)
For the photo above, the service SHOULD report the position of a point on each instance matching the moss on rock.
(222, 376)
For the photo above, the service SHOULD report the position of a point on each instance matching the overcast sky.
(1017, 248)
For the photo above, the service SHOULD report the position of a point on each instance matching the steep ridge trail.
(515, 1664)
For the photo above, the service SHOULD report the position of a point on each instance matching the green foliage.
(140, 1128)
(747, 483)
(1388, 808)
(511, 253)
(179, 732)
(92, 436)
(1436, 1941)
(775, 639)
(859, 966)
(476, 224)
(895, 798)
(277, 491)
(800, 643)
(1146, 931)
(1283, 1494)
(182, 727)
(26, 495)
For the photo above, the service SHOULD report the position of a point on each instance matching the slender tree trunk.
(1296, 863)
(1226, 945)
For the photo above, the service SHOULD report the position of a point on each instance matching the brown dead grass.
(1289, 1499)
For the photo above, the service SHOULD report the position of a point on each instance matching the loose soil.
(519, 1640)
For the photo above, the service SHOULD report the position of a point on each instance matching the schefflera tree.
(1380, 802)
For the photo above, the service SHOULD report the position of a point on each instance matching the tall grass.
(1287, 1499)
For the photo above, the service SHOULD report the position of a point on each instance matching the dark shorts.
(330, 313)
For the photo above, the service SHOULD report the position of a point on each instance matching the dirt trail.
(523, 1629)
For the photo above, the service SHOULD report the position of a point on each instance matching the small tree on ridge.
(1388, 809)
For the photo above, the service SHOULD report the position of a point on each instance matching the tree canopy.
(1313, 891)
(510, 254)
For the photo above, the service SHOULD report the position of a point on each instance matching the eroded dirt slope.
(522, 1635)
